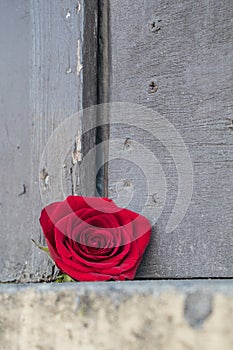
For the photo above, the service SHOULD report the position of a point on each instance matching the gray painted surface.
(176, 58)
(42, 83)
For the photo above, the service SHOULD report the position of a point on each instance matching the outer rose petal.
(91, 276)
(46, 221)
(56, 211)
(65, 221)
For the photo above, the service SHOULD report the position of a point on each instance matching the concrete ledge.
(135, 315)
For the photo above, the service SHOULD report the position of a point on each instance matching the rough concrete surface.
(117, 315)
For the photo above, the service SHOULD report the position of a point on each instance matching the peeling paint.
(79, 64)
(68, 70)
(77, 154)
(44, 176)
(67, 13)
(78, 8)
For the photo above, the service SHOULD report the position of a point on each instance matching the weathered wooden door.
(165, 69)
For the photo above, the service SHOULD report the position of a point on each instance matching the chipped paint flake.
(78, 8)
(68, 70)
(79, 64)
(77, 154)
(67, 13)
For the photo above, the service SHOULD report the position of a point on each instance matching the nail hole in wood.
(153, 87)
(23, 192)
(154, 26)
(127, 183)
(127, 143)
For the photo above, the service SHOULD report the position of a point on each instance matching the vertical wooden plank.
(15, 148)
(56, 93)
(103, 96)
(176, 58)
(42, 84)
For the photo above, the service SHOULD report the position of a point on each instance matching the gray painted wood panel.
(176, 58)
(44, 80)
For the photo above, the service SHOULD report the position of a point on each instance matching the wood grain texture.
(43, 80)
(185, 49)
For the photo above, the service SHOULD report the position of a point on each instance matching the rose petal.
(71, 269)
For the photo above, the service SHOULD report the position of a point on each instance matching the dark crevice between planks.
(103, 64)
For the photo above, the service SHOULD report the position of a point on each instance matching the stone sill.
(162, 314)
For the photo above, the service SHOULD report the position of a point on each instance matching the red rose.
(91, 239)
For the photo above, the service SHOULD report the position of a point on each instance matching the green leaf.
(63, 278)
(43, 248)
